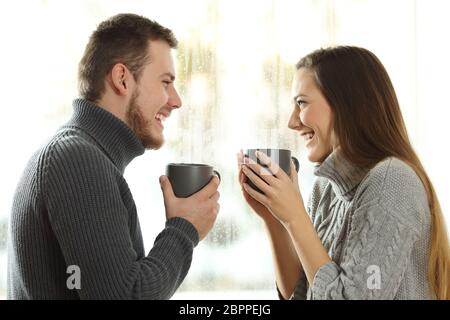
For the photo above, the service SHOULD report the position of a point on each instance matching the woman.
(373, 227)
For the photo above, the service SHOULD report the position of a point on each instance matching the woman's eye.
(301, 103)
(166, 83)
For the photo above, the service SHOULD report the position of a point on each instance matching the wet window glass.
(234, 65)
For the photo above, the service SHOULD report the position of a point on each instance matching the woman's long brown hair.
(369, 127)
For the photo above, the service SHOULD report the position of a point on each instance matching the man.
(74, 230)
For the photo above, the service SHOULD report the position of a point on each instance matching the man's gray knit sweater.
(376, 226)
(73, 206)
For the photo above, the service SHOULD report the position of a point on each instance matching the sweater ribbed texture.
(369, 220)
(73, 206)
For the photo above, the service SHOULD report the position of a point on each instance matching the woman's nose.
(294, 120)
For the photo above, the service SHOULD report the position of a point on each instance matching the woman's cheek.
(304, 117)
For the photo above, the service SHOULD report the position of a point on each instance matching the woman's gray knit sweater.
(376, 226)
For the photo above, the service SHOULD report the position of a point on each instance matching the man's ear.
(120, 78)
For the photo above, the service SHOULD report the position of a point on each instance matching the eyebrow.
(299, 95)
(168, 74)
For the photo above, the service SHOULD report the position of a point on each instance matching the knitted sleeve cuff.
(326, 274)
(185, 227)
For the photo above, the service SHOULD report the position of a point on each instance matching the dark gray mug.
(189, 178)
(280, 156)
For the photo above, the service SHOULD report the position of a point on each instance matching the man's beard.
(140, 126)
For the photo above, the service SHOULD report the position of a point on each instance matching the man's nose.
(174, 99)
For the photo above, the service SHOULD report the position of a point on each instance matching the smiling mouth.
(308, 136)
(161, 118)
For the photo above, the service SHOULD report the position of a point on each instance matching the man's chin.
(152, 143)
(154, 146)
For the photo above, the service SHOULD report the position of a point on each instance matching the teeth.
(309, 136)
(160, 117)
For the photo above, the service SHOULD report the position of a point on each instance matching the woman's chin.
(312, 159)
(315, 155)
(311, 155)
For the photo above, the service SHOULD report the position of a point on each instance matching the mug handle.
(296, 163)
(217, 174)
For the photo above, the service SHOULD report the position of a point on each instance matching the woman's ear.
(120, 78)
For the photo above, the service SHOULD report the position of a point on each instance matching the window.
(234, 67)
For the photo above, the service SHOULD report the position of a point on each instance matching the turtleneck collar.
(115, 137)
(344, 176)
